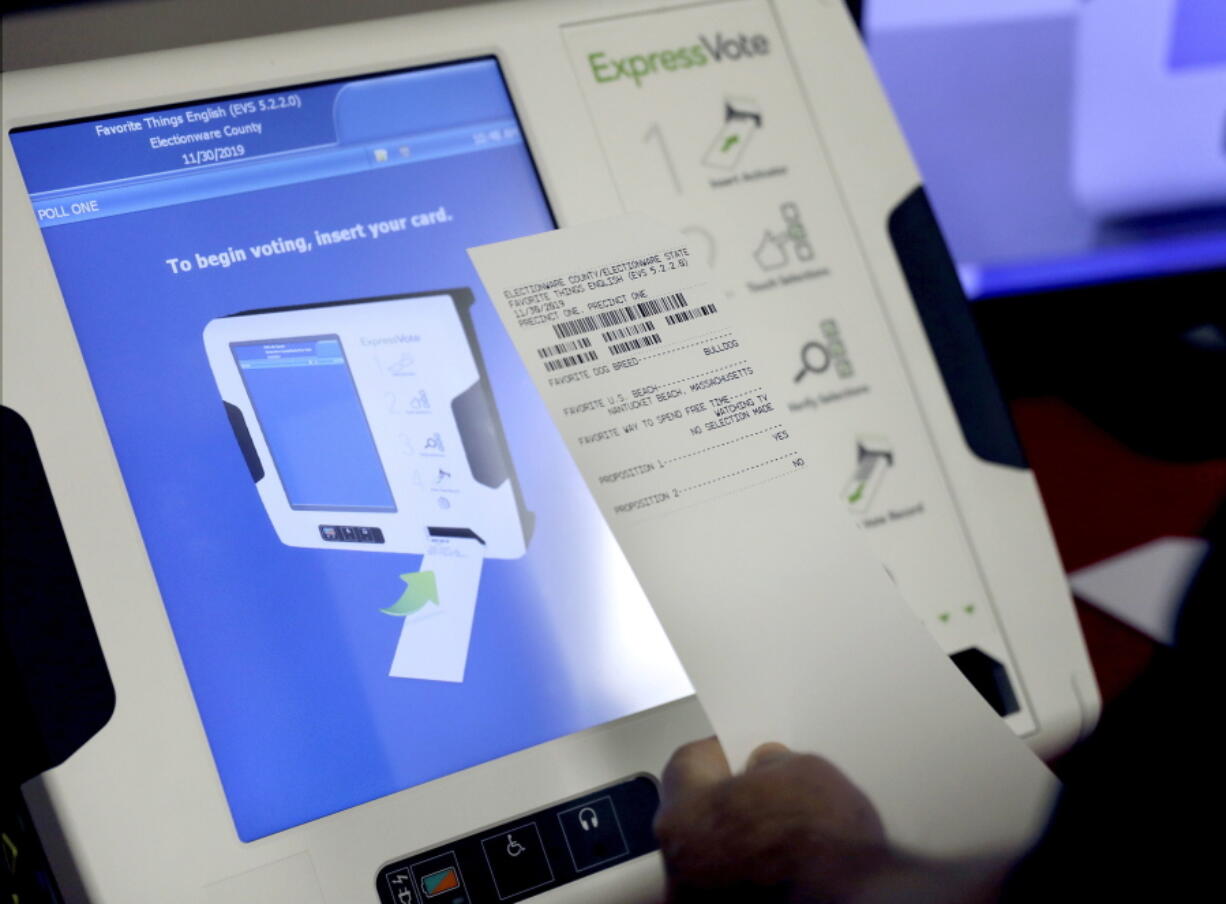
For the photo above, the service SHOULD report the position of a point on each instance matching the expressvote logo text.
(718, 49)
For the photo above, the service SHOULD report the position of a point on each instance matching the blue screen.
(1198, 35)
(158, 224)
(314, 424)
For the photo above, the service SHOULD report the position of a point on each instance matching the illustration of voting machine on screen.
(369, 425)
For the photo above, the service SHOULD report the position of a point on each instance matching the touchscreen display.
(162, 224)
(311, 417)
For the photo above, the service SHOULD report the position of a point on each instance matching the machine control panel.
(343, 533)
(531, 853)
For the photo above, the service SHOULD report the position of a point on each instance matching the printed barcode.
(634, 329)
(618, 316)
(660, 305)
(691, 314)
(570, 361)
(563, 347)
(619, 348)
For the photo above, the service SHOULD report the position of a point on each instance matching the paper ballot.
(788, 627)
(438, 610)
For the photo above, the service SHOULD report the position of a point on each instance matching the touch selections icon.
(772, 251)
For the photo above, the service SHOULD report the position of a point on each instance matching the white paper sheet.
(434, 639)
(788, 627)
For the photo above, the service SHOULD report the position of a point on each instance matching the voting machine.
(267, 386)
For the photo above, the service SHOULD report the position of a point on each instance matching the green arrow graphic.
(420, 588)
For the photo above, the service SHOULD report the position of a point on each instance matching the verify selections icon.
(816, 357)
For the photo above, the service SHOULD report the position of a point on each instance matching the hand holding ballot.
(792, 828)
(670, 409)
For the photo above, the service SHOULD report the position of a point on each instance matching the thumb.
(765, 754)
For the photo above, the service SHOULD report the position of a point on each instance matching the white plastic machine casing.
(138, 813)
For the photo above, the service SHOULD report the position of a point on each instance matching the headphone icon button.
(588, 819)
